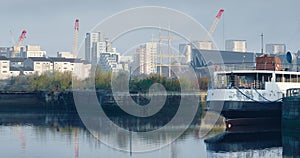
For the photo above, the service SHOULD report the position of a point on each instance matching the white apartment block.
(236, 45)
(32, 51)
(11, 67)
(17, 62)
(99, 50)
(39, 64)
(62, 64)
(4, 68)
(146, 58)
(110, 62)
(16, 71)
(77, 66)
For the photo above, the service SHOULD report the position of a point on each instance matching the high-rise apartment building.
(94, 45)
(146, 58)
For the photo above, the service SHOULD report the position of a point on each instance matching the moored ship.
(246, 97)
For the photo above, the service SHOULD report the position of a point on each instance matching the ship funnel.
(292, 60)
(290, 57)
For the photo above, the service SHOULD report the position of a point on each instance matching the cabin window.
(287, 78)
(261, 79)
(222, 81)
(251, 80)
(293, 78)
(279, 78)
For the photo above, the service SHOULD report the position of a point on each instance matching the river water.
(48, 135)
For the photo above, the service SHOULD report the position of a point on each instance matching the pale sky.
(50, 23)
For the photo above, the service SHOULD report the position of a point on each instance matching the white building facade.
(40, 65)
(4, 68)
(94, 45)
(32, 51)
(146, 58)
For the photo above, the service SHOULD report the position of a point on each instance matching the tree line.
(102, 80)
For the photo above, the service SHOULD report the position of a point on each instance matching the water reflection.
(62, 134)
(253, 144)
(291, 143)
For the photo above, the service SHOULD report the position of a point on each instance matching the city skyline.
(48, 21)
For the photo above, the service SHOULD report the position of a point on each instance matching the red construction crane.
(76, 31)
(16, 48)
(214, 25)
(21, 38)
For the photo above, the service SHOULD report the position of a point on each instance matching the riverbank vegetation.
(102, 80)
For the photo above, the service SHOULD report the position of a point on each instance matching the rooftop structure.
(275, 48)
(236, 45)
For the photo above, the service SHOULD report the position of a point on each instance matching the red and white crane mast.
(214, 25)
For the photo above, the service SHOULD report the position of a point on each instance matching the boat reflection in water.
(291, 143)
(245, 144)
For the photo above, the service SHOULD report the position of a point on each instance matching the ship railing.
(234, 66)
(252, 66)
(293, 92)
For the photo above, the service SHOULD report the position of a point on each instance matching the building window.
(4, 66)
(4, 72)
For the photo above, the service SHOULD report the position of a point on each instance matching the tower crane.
(21, 38)
(76, 31)
(214, 25)
(16, 47)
